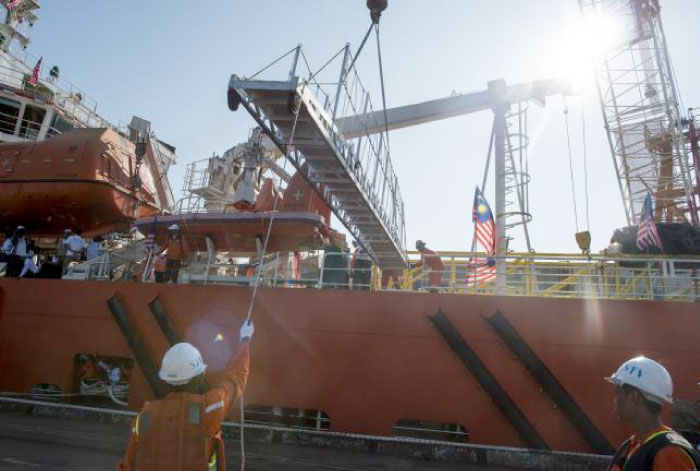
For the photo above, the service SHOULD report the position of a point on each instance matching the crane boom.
(498, 98)
(443, 108)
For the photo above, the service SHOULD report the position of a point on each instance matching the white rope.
(571, 162)
(99, 410)
(257, 281)
(49, 394)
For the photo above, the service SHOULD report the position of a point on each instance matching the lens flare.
(584, 44)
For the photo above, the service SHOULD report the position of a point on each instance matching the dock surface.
(29, 442)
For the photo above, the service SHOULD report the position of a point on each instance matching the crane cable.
(256, 283)
(585, 161)
(571, 162)
(269, 228)
(381, 79)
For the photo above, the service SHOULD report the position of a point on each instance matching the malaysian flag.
(481, 269)
(35, 72)
(647, 234)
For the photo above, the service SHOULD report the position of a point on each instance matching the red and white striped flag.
(35, 72)
(647, 234)
(481, 270)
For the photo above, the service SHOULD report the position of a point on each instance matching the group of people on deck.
(22, 258)
(19, 254)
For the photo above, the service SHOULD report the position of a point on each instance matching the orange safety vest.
(171, 436)
(160, 264)
(176, 248)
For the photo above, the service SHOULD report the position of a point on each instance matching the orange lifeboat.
(298, 220)
(82, 179)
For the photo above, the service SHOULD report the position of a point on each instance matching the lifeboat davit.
(84, 179)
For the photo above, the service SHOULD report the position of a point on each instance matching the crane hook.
(376, 7)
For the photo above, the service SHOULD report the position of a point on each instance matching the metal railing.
(71, 100)
(604, 276)
(189, 204)
(199, 176)
(534, 275)
(570, 276)
(367, 157)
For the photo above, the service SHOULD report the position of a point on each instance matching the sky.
(170, 62)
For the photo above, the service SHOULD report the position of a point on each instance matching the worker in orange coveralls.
(176, 249)
(182, 431)
(642, 386)
(432, 260)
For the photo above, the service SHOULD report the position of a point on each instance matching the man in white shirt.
(75, 246)
(17, 252)
(93, 250)
(30, 267)
(6, 246)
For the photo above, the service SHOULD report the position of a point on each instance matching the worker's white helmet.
(181, 363)
(174, 227)
(650, 377)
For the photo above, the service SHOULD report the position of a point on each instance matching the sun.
(585, 43)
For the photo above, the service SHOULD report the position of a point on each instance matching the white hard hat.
(181, 363)
(174, 227)
(650, 377)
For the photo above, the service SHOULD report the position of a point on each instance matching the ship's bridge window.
(9, 112)
(31, 121)
(59, 126)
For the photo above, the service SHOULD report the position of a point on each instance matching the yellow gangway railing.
(567, 275)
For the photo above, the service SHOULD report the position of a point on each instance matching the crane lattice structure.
(641, 109)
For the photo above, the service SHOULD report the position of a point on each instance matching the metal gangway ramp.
(354, 176)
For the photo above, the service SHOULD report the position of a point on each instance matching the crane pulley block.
(376, 7)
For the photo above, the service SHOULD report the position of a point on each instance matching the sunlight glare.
(584, 44)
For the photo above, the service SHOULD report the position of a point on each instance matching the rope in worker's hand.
(248, 323)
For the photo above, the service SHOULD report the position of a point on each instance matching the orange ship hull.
(366, 359)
